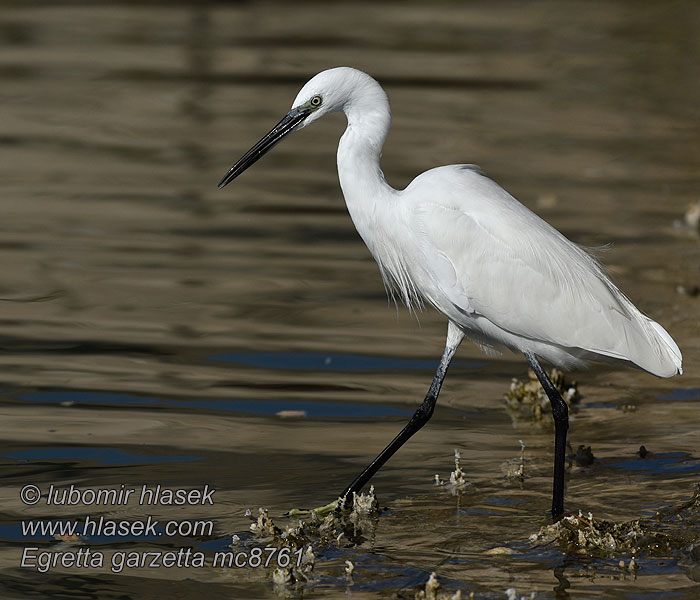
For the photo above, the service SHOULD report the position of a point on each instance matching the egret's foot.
(321, 511)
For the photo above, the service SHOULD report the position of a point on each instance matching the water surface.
(154, 328)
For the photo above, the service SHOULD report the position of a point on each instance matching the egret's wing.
(521, 274)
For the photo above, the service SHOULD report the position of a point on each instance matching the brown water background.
(152, 326)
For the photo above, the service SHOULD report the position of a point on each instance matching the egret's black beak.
(276, 135)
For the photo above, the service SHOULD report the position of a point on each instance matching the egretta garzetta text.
(456, 240)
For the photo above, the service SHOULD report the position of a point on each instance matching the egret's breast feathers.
(395, 271)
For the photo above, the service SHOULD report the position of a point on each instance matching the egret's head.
(329, 91)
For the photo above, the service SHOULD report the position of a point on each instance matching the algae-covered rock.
(585, 535)
(263, 525)
(527, 401)
(344, 525)
(297, 542)
(673, 530)
(583, 457)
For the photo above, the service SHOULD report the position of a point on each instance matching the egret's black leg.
(560, 412)
(419, 418)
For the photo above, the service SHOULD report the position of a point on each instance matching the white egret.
(456, 240)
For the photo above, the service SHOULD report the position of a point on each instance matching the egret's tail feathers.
(673, 350)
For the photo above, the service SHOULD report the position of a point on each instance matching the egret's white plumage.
(457, 240)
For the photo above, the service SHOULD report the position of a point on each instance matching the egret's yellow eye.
(316, 101)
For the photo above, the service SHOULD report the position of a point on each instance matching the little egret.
(456, 240)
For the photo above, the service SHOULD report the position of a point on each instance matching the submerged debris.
(526, 400)
(457, 478)
(688, 290)
(691, 217)
(364, 505)
(301, 538)
(514, 468)
(512, 594)
(499, 551)
(349, 570)
(293, 538)
(431, 591)
(282, 578)
(458, 482)
(690, 560)
(291, 414)
(672, 529)
(263, 525)
(583, 457)
(362, 518)
(579, 534)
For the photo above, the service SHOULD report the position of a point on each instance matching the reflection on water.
(664, 464)
(259, 407)
(338, 362)
(154, 327)
(106, 456)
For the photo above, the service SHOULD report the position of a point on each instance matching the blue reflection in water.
(331, 362)
(105, 456)
(319, 410)
(682, 395)
(664, 463)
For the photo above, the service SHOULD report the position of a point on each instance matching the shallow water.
(154, 327)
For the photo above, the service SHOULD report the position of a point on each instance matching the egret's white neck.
(372, 202)
(360, 150)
